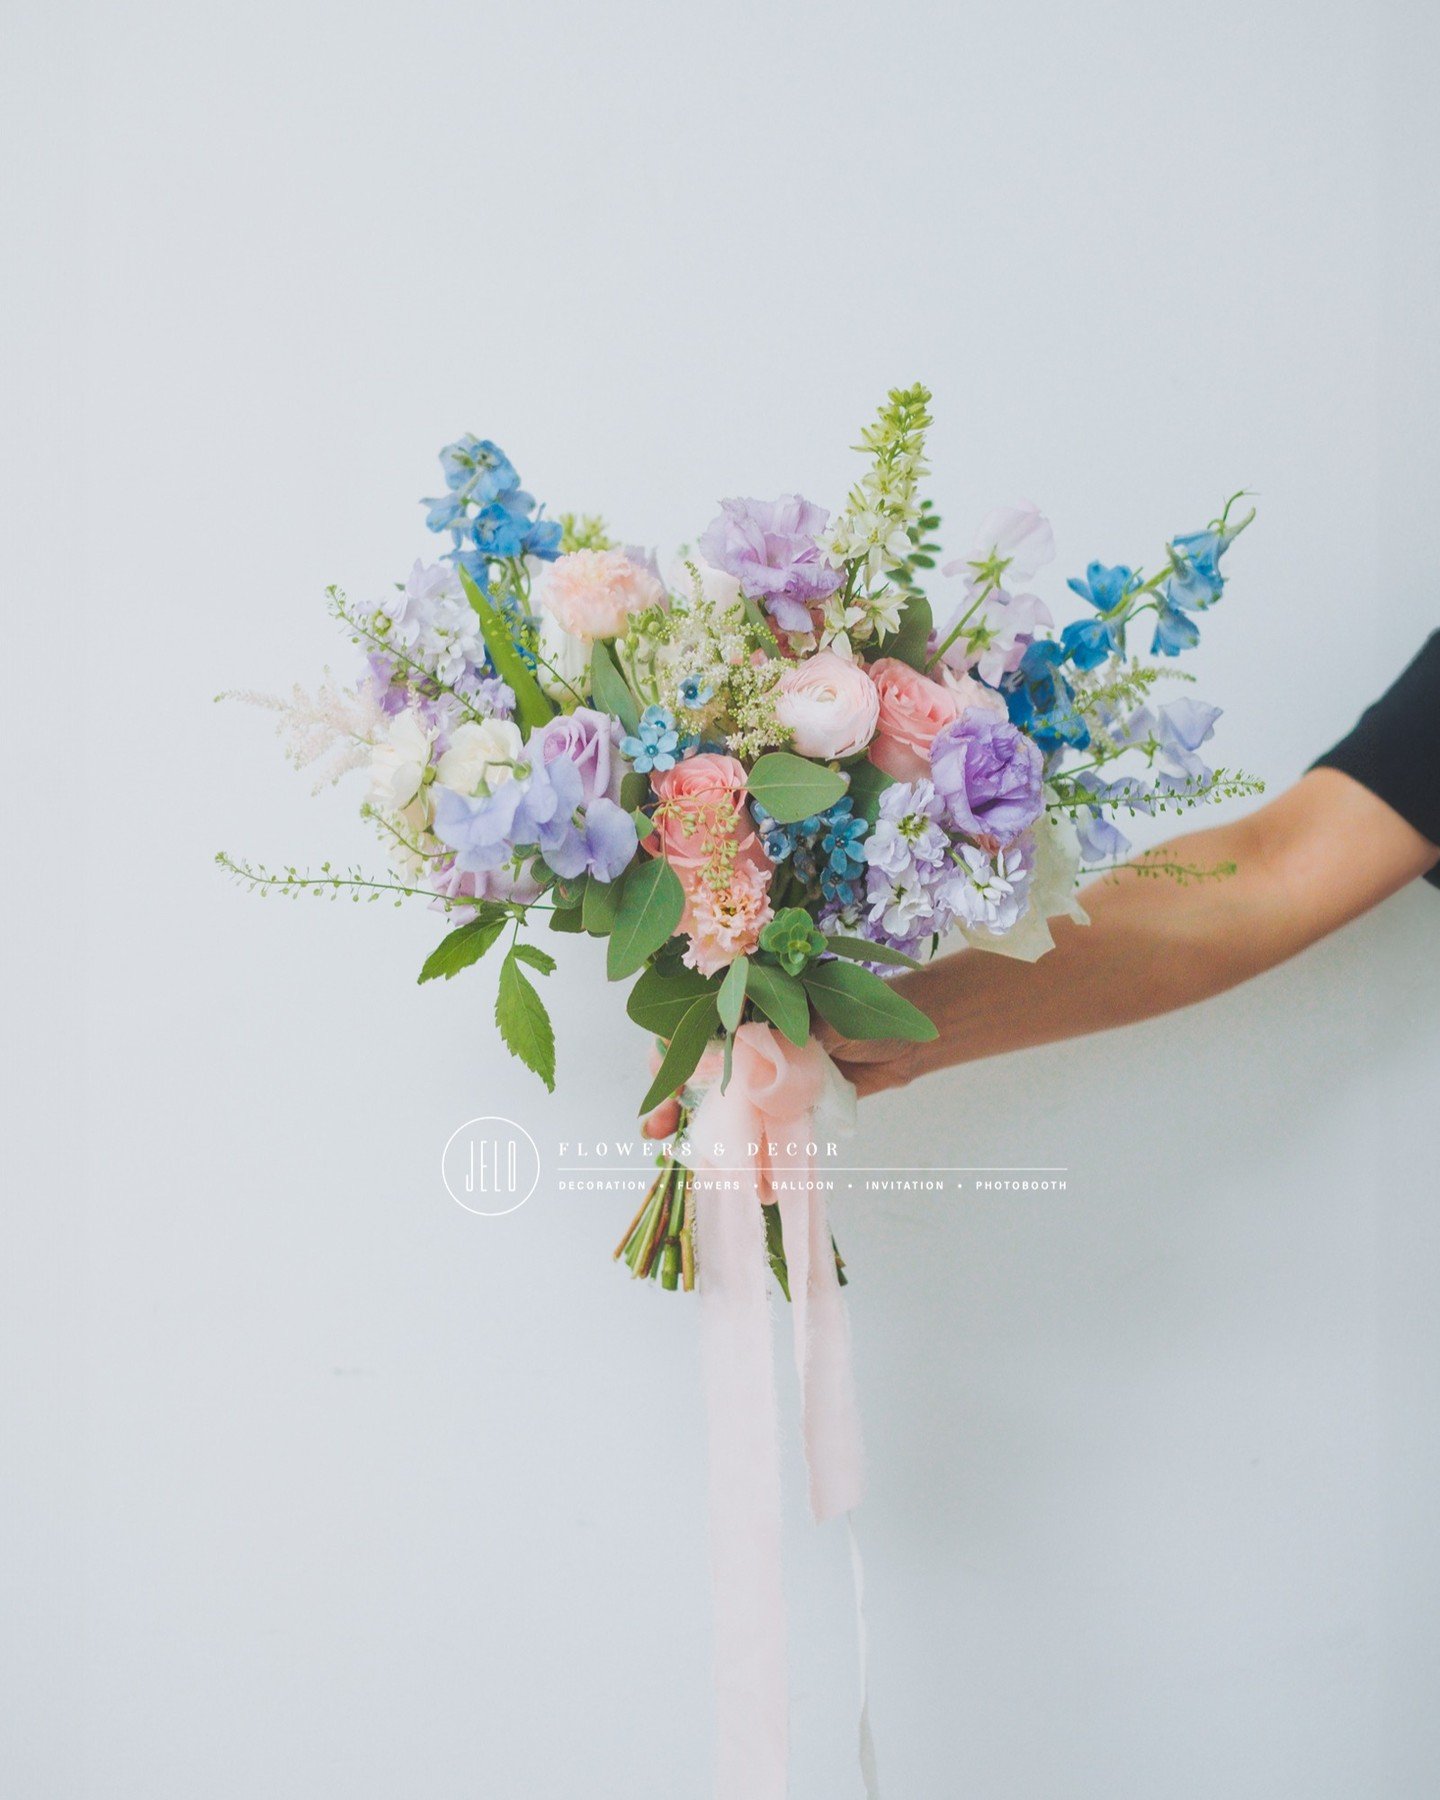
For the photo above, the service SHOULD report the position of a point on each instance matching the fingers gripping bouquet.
(762, 775)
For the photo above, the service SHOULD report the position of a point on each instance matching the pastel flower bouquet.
(760, 773)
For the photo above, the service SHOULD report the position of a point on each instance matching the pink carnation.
(725, 922)
(592, 593)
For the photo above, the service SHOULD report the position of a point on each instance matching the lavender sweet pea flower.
(771, 548)
(990, 776)
(478, 830)
(1181, 727)
(587, 739)
(601, 844)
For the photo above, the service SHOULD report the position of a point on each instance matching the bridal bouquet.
(760, 772)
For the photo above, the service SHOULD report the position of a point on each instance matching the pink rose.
(592, 593)
(971, 695)
(702, 812)
(830, 705)
(913, 708)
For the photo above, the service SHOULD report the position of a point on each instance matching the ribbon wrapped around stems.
(751, 1147)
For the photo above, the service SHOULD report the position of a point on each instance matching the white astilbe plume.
(335, 727)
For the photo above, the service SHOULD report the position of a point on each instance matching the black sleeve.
(1394, 750)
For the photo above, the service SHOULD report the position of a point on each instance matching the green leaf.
(531, 704)
(651, 903)
(781, 998)
(634, 790)
(860, 1005)
(602, 902)
(911, 643)
(862, 950)
(610, 690)
(659, 1002)
(569, 920)
(690, 1042)
(790, 788)
(568, 893)
(463, 946)
(867, 784)
(731, 998)
(524, 1023)
(536, 957)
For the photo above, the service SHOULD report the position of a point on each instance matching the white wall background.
(317, 1485)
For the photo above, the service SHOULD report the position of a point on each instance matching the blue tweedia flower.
(694, 692)
(843, 840)
(1041, 702)
(655, 744)
(777, 841)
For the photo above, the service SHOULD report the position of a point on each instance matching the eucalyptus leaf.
(602, 902)
(690, 1042)
(731, 998)
(781, 998)
(860, 1005)
(651, 903)
(790, 788)
(867, 784)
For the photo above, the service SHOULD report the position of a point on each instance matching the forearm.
(1320, 854)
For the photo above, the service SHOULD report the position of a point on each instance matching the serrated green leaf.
(867, 784)
(602, 901)
(609, 688)
(659, 1002)
(781, 998)
(731, 997)
(524, 1023)
(862, 950)
(651, 903)
(463, 946)
(536, 957)
(911, 643)
(686, 1047)
(532, 707)
(790, 788)
(860, 1005)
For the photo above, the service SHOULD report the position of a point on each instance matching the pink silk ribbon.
(750, 1147)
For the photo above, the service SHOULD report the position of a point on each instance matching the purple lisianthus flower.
(587, 739)
(771, 548)
(989, 775)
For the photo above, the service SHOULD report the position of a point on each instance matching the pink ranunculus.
(588, 738)
(830, 705)
(702, 812)
(592, 593)
(913, 708)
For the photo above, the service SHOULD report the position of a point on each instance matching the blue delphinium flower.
(488, 514)
(1042, 702)
(655, 743)
(476, 469)
(1196, 583)
(1174, 630)
(1090, 641)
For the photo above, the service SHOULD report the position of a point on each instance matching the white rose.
(479, 756)
(398, 763)
(568, 676)
(716, 586)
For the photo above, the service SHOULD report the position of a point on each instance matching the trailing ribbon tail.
(771, 1101)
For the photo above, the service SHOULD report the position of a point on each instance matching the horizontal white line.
(602, 1168)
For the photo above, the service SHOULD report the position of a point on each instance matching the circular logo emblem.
(490, 1166)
